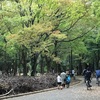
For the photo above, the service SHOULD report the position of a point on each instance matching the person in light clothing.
(73, 74)
(63, 77)
(59, 81)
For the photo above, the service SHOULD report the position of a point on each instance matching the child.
(59, 81)
(68, 80)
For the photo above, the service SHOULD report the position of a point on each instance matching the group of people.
(87, 75)
(63, 79)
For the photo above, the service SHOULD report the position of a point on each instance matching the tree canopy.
(42, 35)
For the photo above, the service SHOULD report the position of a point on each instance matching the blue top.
(97, 72)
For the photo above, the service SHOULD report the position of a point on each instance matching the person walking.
(59, 81)
(73, 74)
(63, 77)
(68, 80)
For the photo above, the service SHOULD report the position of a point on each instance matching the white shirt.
(73, 71)
(59, 79)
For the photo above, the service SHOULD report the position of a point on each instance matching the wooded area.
(42, 36)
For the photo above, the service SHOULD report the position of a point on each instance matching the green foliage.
(49, 27)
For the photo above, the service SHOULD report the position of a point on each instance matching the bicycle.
(98, 81)
(88, 84)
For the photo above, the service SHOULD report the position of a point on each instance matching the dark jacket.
(88, 75)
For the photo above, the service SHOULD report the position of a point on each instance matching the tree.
(43, 31)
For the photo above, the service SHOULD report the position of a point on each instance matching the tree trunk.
(48, 63)
(42, 64)
(34, 64)
(71, 60)
(14, 62)
(80, 67)
(24, 62)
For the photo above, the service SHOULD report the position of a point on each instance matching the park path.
(76, 92)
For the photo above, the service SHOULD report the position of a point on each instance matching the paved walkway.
(76, 92)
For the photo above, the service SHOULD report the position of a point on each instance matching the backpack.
(68, 78)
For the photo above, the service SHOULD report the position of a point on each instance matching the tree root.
(12, 90)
